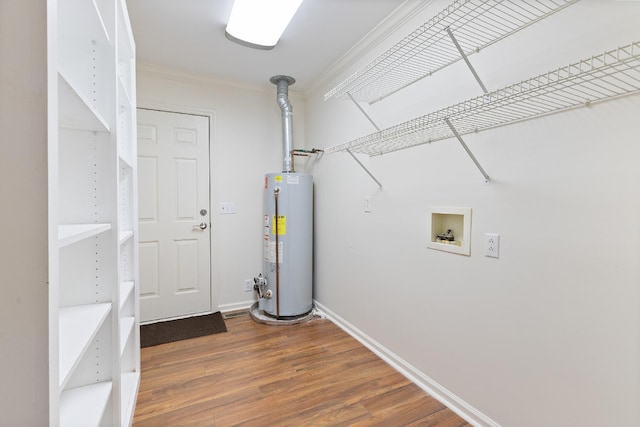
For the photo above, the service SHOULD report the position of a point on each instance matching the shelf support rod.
(375, 126)
(364, 167)
(363, 112)
(466, 59)
(457, 135)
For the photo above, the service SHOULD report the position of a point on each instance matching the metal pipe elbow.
(283, 100)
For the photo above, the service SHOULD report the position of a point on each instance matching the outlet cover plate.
(492, 245)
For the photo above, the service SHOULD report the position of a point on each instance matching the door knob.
(202, 226)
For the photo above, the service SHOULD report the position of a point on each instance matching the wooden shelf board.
(72, 233)
(124, 158)
(75, 110)
(123, 93)
(84, 406)
(128, 394)
(125, 235)
(91, 26)
(78, 327)
(126, 327)
(126, 288)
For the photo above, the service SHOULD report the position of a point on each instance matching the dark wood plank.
(312, 374)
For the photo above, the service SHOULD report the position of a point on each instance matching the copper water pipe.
(276, 191)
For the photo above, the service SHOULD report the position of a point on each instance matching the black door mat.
(181, 329)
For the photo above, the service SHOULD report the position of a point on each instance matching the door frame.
(211, 115)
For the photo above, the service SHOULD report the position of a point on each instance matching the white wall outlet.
(492, 245)
(366, 204)
(248, 285)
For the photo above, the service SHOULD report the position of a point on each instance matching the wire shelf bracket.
(609, 75)
(477, 25)
(466, 148)
(362, 111)
(364, 167)
(377, 128)
(466, 60)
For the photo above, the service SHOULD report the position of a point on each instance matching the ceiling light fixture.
(260, 23)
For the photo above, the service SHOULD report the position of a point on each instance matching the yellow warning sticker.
(278, 178)
(282, 225)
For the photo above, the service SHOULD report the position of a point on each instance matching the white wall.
(549, 333)
(23, 190)
(246, 144)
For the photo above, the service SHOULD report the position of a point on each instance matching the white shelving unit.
(93, 297)
(608, 75)
(472, 24)
(128, 322)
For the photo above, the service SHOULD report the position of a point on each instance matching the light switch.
(366, 205)
(227, 208)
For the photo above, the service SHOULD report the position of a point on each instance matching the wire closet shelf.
(612, 74)
(476, 25)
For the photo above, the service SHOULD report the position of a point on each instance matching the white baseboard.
(244, 305)
(453, 402)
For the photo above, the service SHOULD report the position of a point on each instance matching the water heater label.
(282, 225)
(265, 248)
(278, 178)
(270, 251)
(293, 179)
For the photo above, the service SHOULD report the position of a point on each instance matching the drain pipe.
(283, 83)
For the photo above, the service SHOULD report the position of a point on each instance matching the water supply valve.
(445, 237)
(260, 286)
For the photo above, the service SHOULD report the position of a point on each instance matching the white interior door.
(173, 186)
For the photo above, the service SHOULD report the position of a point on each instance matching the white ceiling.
(189, 35)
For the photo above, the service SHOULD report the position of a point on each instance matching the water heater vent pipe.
(283, 83)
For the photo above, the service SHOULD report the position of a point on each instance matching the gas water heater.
(285, 286)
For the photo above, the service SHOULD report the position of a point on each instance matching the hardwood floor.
(312, 374)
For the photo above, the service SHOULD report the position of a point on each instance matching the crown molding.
(385, 29)
(181, 75)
